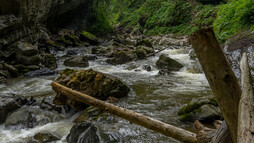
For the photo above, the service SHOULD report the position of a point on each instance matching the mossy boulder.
(144, 42)
(69, 40)
(90, 82)
(203, 109)
(81, 61)
(167, 64)
(89, 38)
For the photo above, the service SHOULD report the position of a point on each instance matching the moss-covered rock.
(144, 42)
(88, 37)
(167, 64)
(44, 138)
(203, 109)
(69, 40)
(90, 82)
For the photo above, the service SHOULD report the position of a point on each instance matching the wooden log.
(154, 53)
(204, 135)
(222, 135)
(246, 105)
(149, 123)
(219, 75)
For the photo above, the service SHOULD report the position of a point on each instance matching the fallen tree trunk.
(154, 53)
(246, 105)
(149, 123)
(219, 75)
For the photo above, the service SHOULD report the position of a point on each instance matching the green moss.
(144, 42)
(188, 108)
(186, 117)
(67, 71)
(88, 35)
(213, 101)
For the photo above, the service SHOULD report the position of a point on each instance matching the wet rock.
(122, 57)
(81, 61)
(88, 113)
(25, 49)
(144, 42)
(236, 46)
(40, 72)
(141, 54)
(49, 61)
(69, 40)
(14, 72)
(44, 138)
(88, 37)
(147, 67)
(167, 64)
(2, 80)
(202, 109)
(28, 60)
(192, 54)
(86, 132)
(47, 104)
(90, 82)
(9, 103)
(91, 57)
(24, 68)
(29, 117)
(5, 73)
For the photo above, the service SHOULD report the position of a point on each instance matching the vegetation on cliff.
(179, 17)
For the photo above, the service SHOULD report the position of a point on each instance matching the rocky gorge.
(45, 41)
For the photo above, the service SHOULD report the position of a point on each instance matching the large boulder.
(81, 61)
(122, 57)
(203, 109)
(86, 132)
(29, 117)
(90, 82)
(9, 103)
(167, 64)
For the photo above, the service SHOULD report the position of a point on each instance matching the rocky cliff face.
(29, 20)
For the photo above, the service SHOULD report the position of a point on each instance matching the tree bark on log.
(246, 105)
(219, 75)
(149, 123)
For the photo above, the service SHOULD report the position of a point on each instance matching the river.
(154, 95)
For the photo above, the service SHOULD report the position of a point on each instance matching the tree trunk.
(246, 106)
(149, 123)
(219, 75)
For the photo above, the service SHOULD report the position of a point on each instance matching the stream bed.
(157, 96)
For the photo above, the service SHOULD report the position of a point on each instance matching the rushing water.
(154, 95)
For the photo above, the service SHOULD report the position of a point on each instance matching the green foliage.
(233, 17)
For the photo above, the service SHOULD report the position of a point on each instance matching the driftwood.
(149, 123)
(246, 105)
(219, 75)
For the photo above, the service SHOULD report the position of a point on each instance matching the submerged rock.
(44, 138)
(86, 132)
(49, 61)
(167, 64)
(90, 82)
(9, 103)
(40, 72)
(202, 109)
(81, 61)
(29, 117)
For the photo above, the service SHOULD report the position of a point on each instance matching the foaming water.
(154, 95)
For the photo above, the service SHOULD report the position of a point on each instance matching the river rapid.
(157, 96)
